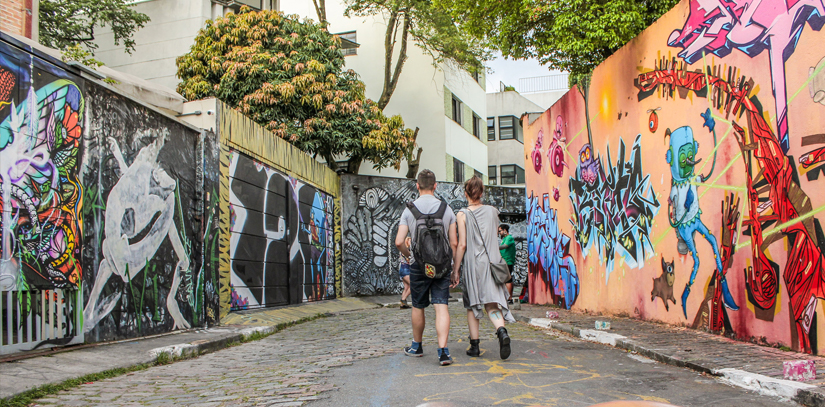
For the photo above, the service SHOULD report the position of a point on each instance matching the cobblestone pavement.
(303, 363)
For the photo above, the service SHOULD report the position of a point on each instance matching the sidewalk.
(743, 364)
(21, 375)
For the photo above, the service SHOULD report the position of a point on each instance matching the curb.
(805, 394)
(203, 346)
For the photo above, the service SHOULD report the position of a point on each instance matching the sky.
(510, 71)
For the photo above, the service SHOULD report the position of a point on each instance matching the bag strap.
(414, 210)
(442, 208)
(481, 235)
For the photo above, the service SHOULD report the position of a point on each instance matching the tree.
(572, 35)
(429, 26)
(321, 10)
(287, 76)
(70, 23)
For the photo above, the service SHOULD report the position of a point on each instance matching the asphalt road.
(355, 359)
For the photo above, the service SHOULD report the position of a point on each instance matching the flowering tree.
(288, 76)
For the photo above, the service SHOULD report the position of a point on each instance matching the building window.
(477, 126)
(478, 174)
(456, 110)
(349, 50)
(492, 176)
(491, 129)
(509, 128)
(512, 174)
(476, 76)
(458, 170)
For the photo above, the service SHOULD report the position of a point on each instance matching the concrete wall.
(371, 208)
(544, 99)
(693, 197)
(107, 196)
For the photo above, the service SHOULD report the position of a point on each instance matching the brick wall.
(15, 17)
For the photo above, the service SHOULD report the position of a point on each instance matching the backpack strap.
(440, 212)
(415, 212)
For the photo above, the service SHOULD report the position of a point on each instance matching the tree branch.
(391, 80)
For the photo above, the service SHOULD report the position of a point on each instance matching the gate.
(40, 318)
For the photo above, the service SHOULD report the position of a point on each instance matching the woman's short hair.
(474, 187)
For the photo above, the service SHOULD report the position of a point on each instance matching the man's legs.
(442, 324)
(418, 321)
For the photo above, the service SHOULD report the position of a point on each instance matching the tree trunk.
(412, 164)
(391, 75)
(330, 161)
(354, 165)
(321, 10)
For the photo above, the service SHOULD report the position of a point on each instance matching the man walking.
(427, 285)
(508, 253)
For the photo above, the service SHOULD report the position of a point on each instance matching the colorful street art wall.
(371, 209)
(281, 243)
(105, 197)
(686, 184)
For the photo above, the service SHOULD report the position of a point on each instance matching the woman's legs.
(495, 315)
(406, 292)
(472, 324)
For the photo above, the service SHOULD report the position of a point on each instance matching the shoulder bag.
(500, 271)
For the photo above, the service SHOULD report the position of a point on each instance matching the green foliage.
(288, 76)
(71, 23)
(572, 35)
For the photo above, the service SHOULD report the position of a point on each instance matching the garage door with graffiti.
(696, 159)
(281, 237)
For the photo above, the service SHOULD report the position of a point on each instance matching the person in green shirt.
(508, 253)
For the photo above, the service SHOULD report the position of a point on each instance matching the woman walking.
(404, 274)
(478, 248)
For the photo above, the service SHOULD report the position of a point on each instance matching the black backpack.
(431, 248)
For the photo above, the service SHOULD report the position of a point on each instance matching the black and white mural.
(371, 208)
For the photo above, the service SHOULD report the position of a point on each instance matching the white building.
(446, 104)
(505, 134)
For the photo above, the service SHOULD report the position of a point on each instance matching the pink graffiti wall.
(686, 182)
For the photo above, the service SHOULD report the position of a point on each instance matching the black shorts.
(425, 291)
(512, 268)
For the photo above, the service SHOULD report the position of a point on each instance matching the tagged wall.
(282, 245)
(691, 188)
(371, 209)
(104, 195)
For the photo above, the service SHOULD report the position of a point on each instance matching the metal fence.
(39, 319)
(545, 83)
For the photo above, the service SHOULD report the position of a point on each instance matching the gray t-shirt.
(427, 204)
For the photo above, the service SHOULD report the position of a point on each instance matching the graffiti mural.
(549, 255)
(614, 208)
(40, 151)
(720, 105)
(371, 212)
(280, 237)
(750, 26)
(104, 199)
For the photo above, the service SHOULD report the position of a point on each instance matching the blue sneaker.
(415, 352)
(444, 358)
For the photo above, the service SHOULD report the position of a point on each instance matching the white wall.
(545, 99)
(170, 33)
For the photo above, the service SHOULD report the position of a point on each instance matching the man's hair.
(505, 226)
(426, 180)
(474, 187)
